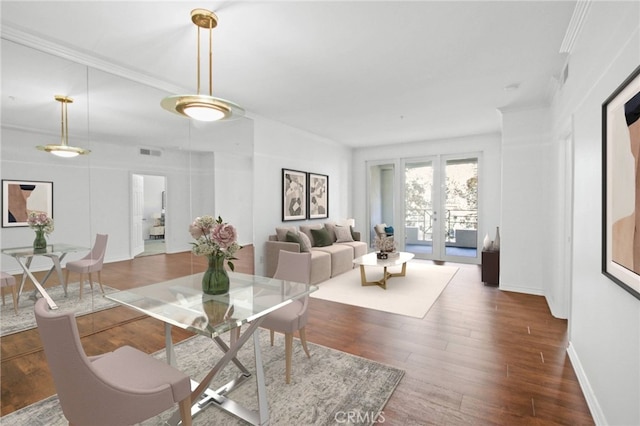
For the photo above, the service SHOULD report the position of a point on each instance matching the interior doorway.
(148, 215)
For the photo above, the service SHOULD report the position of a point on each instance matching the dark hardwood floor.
(480, 356)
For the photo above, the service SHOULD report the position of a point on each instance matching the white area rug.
(11, 323)
(411, 295)
(327, 389)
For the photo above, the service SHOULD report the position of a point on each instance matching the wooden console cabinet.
(491, 267)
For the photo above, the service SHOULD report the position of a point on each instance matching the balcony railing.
(455, 219)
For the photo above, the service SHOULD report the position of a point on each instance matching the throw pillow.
(380, 228)
(343, 234)
(331, 227)
(293, 238)
(353, 234)
(282, 232)
(305, 243)
(321, 237)
(388, 230)
(306, 229)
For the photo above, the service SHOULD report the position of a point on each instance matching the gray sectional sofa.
(332, 247)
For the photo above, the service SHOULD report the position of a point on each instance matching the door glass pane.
(419, 213)
(461, 207)
(381, 196)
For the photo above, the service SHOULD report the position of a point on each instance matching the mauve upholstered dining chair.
(92, 262)
(293, 317)
(9, 281)
(122, 387)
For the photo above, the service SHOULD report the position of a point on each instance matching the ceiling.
(356, 72)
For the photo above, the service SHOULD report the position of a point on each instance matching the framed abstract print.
(21, 197)
(294, 192)
(620, 185)
(318, 196)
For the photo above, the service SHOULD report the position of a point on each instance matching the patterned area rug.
(11, 323)
(331, 387)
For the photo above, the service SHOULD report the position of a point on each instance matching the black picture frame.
(294, 195)
(620, 139)
(318, 196)
(20, 197)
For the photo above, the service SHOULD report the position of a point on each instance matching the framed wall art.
(318, 196)
(21, 197)
(620, 188)
(294, 191)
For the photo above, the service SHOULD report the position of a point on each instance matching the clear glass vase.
(215, 280)
(40, 243)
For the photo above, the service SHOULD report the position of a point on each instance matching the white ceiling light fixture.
(203, 107)
(63, 149)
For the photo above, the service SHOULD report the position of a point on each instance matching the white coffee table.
(371, 259)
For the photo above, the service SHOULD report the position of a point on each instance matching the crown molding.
(575, 25)
(29, 40)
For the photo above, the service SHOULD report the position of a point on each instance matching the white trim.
(21, 37)
(587, 390)
(575, 25)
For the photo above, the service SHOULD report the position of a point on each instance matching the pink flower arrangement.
(215, 238)
(41, 222)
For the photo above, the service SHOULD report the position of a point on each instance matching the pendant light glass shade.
(203, 107)
(64, 150)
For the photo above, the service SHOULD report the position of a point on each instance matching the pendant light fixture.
(203, 107)
(64, 150)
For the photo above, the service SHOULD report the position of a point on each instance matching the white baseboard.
(592, 401)
(525, 290)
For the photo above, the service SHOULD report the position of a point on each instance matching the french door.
(441, 207)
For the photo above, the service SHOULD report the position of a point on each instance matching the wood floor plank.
(479, 356)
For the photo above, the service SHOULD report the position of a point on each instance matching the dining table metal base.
(202, 396)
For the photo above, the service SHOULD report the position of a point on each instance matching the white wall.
(234, 193)
(526, 194)
(278, 146)
(605, 319)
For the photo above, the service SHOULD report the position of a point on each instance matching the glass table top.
(51, 249)
(181, 302)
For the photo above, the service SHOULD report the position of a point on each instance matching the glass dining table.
(181, 303)
(56, 252)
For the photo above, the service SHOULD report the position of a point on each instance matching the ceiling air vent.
(152, 152)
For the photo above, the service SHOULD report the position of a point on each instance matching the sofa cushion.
(320, 266)
(343, 234)
(341, 257)
(359, 248)
(321, 238)
(282, 232)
